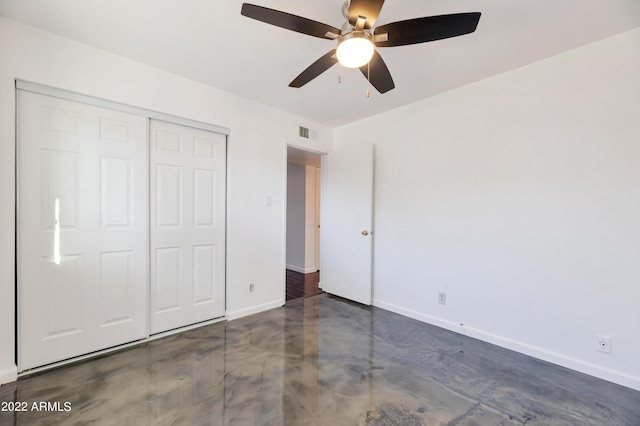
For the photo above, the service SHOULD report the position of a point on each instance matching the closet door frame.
(150, 115)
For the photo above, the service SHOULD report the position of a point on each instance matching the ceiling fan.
(357, 41)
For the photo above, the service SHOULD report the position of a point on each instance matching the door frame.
(324, 177)
(323, 154)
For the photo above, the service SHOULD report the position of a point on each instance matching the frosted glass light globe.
(354, 52)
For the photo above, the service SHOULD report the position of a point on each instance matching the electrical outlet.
(604, 344)
(442, 298)
(252, 287)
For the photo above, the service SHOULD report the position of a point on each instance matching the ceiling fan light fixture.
(357, 40)
(355, 49)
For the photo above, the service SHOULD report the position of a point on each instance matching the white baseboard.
(231, 315)
(8, 375)
(600, 372)
(302, 270)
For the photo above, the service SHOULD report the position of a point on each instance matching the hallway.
(302, 285)
(320, 361)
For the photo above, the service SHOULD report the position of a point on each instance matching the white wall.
(256, 162)
(519, 196)
(310, 220)
(301, 218)
(295, 216)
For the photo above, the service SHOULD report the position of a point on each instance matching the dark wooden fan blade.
(370, 9)
(380, 77)
(429, 28)
(288, 21)
(315, 69)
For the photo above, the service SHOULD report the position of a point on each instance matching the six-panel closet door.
(121, 227)
(187, 250)
(82, 229)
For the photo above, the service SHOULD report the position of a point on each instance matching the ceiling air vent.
(305, 132)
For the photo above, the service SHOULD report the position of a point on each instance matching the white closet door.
(82, 231)
(188, 180)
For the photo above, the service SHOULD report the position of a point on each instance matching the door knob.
(365, 232)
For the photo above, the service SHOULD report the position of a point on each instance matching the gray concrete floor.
(318, 361)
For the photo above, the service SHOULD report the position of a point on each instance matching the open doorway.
(303, 224)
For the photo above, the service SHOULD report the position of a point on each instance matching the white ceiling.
(209, 41)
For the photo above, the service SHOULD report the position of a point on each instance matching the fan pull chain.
(369, 79)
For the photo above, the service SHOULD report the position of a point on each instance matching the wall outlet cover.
(604, 344)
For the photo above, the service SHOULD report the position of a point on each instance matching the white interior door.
(347, 218)
(188, 180)
(82, 229)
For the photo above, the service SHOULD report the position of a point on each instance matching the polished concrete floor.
(319, 361)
